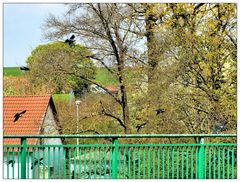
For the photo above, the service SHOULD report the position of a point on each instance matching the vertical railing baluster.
(110, 162)
(23, 158)
(8, 163)
(173, 163)
(139, 162)
(183, 162)
(64, 163)
(163, 163)
(28, 162)
(124, 163)
(177, 161)
(90, 161)
(223, 163)
(44, 162)
(18, 164)
(233, 163)
(69, 162)
(115, 159)
(32, 162)
(192, 158)
(13, 162)
(74, 163)
(38, 162)
(95, 162)
(153, 162)
(149, 163)
(200, 159)
(186, 162)
(158, 151)
(129, 163)
(168, 162)
(214, 163)
(85, 162)
(228, 162)
(100, 162)
(219, 163)
(49, 165)
(144, 162)
(59, 162)
(134, 162)
(80, 163)
(209, 162)
(105, 162)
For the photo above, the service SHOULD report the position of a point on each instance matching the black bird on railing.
(159, 111)
(36, 161)
(70, 41)
(24, 68)
(11, 162)
(18, 115)
(140, 126)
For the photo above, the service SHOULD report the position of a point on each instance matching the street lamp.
(77, 104)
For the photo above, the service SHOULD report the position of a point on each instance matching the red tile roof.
(30, 122)
(112, 88)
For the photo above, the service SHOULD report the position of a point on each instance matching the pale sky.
(22, 29)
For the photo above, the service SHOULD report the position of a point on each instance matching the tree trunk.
(150, 21)
(125, 108)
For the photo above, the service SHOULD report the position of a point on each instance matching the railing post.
(23, 157)
(115, 169)
(201, 160)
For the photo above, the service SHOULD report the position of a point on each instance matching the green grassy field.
(62, 97)
(103, 76)
(12, 71)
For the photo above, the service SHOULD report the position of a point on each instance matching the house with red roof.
(38, 116)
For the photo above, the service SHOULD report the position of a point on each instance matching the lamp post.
(77, 104)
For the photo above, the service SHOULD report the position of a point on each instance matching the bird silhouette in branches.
(220, 128)
(18, 115)
(159, 111)
(70, 41)
(139, 127)
(24, 68)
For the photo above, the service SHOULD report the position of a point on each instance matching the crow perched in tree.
(18, 115)
(140, 126)
(24, 68)
(36, 161)
(220, 128)
(70, 41)
(159, 111)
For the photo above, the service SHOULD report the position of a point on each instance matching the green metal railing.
(122, 160)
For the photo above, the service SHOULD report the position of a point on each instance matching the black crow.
(70, 41)
(159, 111)
(11, 162)
(36, 161)
(140, 126)
(24, 68)
(18, 115)
(220, 128)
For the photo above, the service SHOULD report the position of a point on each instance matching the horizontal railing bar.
(130, 145)
(122, 136)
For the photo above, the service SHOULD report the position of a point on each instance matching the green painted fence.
(117, 160)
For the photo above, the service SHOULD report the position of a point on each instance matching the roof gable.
(30, 122)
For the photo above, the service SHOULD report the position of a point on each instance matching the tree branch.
(111, 115)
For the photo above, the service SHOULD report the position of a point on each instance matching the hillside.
(103, 76)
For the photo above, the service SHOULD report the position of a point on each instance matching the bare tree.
(104, 29)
